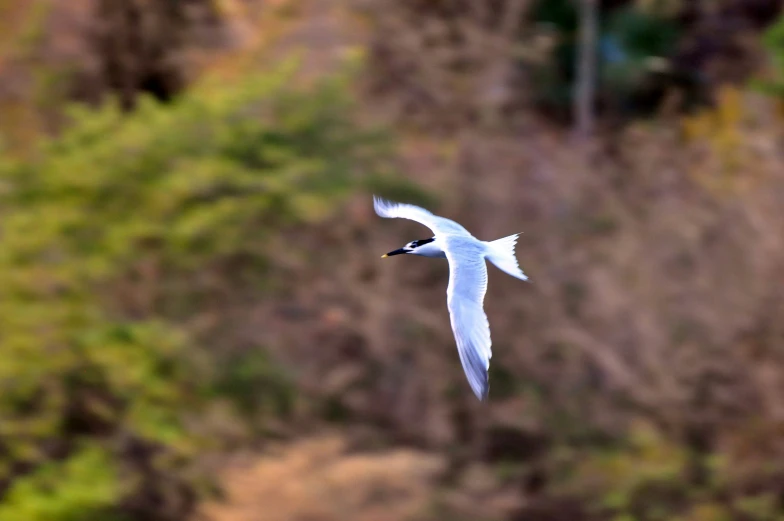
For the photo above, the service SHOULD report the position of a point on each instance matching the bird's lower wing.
(465, 297)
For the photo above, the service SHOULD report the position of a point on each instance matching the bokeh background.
(195, 323)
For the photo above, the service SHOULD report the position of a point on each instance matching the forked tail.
(501, 252)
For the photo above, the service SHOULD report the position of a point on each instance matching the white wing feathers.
(439, 225)
(465, 298)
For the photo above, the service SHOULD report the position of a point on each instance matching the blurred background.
(195, 323)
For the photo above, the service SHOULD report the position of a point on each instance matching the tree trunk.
(586, 70)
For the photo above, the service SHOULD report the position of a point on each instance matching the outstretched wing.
(465, 298)
(439, 225)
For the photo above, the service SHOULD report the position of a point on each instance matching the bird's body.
(467, 281)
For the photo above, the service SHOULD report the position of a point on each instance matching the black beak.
(396, 252)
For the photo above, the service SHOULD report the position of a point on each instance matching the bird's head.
(411, 247)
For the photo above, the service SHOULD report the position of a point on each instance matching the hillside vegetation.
(194, 319)
(123, 238)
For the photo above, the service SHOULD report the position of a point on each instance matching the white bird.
(467, 281)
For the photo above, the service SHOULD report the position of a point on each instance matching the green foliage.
(640, 478)
(647, 475)
(106, 233)
(629, 42)
(255, 384)
(82, 488)
(559, 14)
(630, 39)
(773, 40)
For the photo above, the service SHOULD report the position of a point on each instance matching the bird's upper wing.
(465, 296)
(439, 225)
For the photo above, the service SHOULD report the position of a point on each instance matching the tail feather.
(501, 252)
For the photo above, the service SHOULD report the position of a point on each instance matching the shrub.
(107, 232)
(773, 41)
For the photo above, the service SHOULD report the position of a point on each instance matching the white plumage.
(467, 281)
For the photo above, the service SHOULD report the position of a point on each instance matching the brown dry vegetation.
(655, 297)
(321, 479)
(638, 376)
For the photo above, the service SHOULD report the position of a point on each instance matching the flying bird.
(467, 281)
